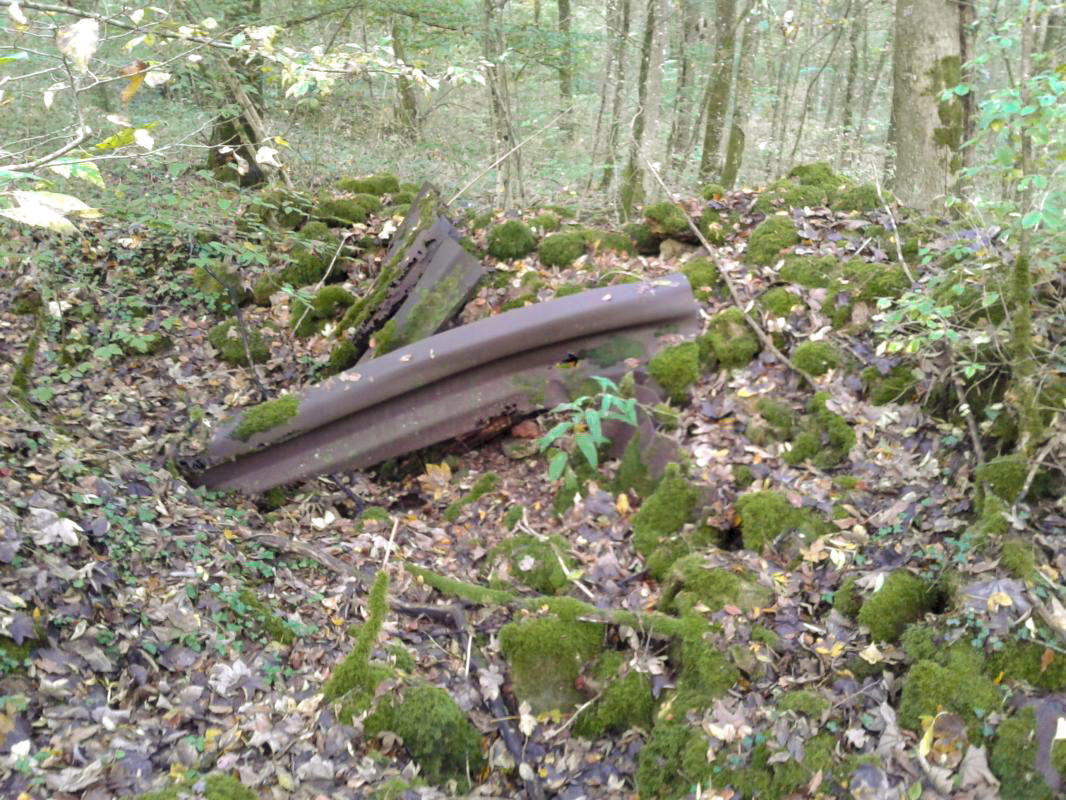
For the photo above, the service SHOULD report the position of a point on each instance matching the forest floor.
(155, 633)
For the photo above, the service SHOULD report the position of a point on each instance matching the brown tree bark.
(622, 16)
(566, 69)
(734, 151)
(631, 190)
(719, 89)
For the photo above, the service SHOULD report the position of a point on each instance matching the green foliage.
(672, 760)
(435, 732)
(675, 369)
(266, 416)
(226, 339)
(482, 486)
(1013, 758)
(902, 599)
(766, 515)
(816, 358)
(691, 584)
(561, 249)
(705, 672)
(511, 239)
(666, 219)
(626, 703)
(584, 424)
(896, 386)
(665, 511)
(546, 655)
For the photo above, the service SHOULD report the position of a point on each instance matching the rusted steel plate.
(450, 384)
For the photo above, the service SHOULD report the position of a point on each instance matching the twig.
(392, 539)
(895, 232)
(1030, 476)
(83, 134)
(500, 160)
(285, 544)
(359, 504)
(763, 338)
(967, 412)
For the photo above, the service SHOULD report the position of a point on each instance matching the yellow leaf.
(136, 81)
(621, 505)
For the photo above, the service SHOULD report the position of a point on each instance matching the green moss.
(27, 302)
(342, 212)
(272, 624)
(778, 414)
(804, 197)
(281, 208)
(1013, 758)
(435, 732)
(810, 272)
(546, 655)
(766, 515)
(703, 277)
(847, 599)
(671, 762)
(1030, 663)
(341, 357)
(824, 437)
(664, 512)
(705, 672)
(403, 198)
(482, 220)
(729, 340)
(819, 174)
(470, 592)
(643, 239)
(874, 281)
(318, 231)
(602, 241)
(216, 786)
(398, 210)
(957, 686)
(568, 289)
(804, 702)
(385, 338)
(713, 191)
(896, 386)
(769, 239)
(561, 249)
(714, 224)
(482, 486)
(564, 212)
(266, 416)
(375, 185)
(1058, 757)
(691, 583)
(743, 476)
(1018, 559)
(303, 318)
(632, 472)
(546, 222)
(625, 704)
(902, 599)
(396, 789)
(1004, 476)
(329, 300)
(226, 339)
(511, 239)
(303, 269)
(666, 219)
(512, 517)
(862, 198)
(816, 358)
(355, 678)
(675, 369)
(539, 562)
(666, 416)
(217, 293)
(779, 301)
(692, 540)
(265, 285)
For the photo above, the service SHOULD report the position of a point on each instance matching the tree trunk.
(653, 103)
(734, 151)
(631, 191)
(847, 116)
(928, 130)
(718, 92)
(623, 13)
(407, 109)
(566, 70)
(509, 189)
(678, 142)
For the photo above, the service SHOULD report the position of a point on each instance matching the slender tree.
(566, 68)
(734, 151)
(721, 79)
(631, 191)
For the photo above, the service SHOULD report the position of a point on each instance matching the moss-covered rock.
(666, 220)
(329, 300)
(511, 239)
(213, 786)
(226, 339)
(665, 511)
(847, 599)
(778, 415)
(343, 355)
(546, 222)
(568, 289)
(643, 239)
(435, 732)
(542, 564)
(632, 473)
(599, 241)
(705, 672)
(27, 302)
(713, 191)
(281, 208)
(824, 437)
(375, 185)
(818, 173)
(265, 286)
(1013, 758)
(815, 358)
(546, 655)
(266, 416)
(1004, 476)
(304, 268)
(902, 599)
(342, 211)
(862, 198)
(690, 539)
(895, 386)
(779, 301)
(691, 583)
(561, 249)
(774, 235)
(318, 231)
(626, 703)
(958, 686)
(810, 272)
(716, 224)
(675, 369)
(703, 277)
(766, 515)
(672, 760)
(729, 341)
(1018, 559)
(1028, 663)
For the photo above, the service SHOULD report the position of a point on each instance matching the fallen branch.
(762, 336)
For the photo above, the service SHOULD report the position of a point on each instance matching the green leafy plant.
(584, 425)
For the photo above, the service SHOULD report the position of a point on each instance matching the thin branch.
(83, 134)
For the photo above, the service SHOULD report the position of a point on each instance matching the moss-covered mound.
(815, 358)
(1014, 755)
(435, 732)
(511, 239)
(702, 276)
(215, 786)
(824, 437)
(599, 241)
(693, 583)
(665, 512)
(561, 249)
(542, 564)
(226, 339)
(219, 284)
(779, 301)
(281, 208)
(376, 185)
(810, 272)
(666, 220)
(902, 599)
(766, 515)
(643, 239)
(675, 369)
(546, 222)
(729, 341)
(626, 702)
(819, 174)
(863, 198)
(341, 211)
(957, 686)
(546, 655)
(770, 239)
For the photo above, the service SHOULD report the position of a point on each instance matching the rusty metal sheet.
(450, 384)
